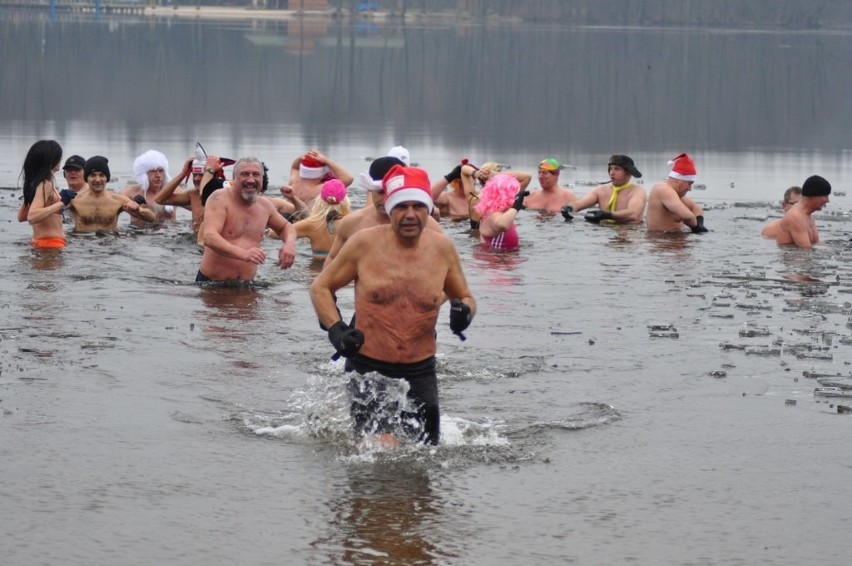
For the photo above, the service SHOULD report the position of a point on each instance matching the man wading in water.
(402, 272)
(234, 223)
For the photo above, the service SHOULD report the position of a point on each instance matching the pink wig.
(498, 194)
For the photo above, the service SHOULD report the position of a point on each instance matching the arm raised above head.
(167, 194)
(523, 177)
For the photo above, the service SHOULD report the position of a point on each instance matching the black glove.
(519, 201)
(140, 200)
(345, 339)
(567, 212)
(699, 226)
(454, 174)
(597, 215)
(67, 195)
(459, 317)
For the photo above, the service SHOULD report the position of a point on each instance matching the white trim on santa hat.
(399, 196)
(306, 172)
(683, 168)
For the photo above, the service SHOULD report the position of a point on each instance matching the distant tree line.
(795, 14)
(731, 13)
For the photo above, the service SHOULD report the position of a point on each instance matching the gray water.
(621, 398)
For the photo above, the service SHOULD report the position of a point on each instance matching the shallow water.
(620, 398)
(145, 419)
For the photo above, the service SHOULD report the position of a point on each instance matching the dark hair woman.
(43, 203)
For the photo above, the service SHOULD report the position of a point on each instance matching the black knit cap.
(380, 167)
(96, 163)
(816, 186)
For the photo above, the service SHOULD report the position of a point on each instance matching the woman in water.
(501, 199)
(331, 205)
(474, 178)
(43, 203)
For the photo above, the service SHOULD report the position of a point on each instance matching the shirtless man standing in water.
(669, 209)
(151, 170)
(618, 201)
(791, 197)
(98, 208)
(797, 227)
(234, 223)
(401, 273)
(551, 197)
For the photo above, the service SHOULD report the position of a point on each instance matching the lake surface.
(621, 397)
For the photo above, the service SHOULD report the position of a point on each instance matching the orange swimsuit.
(48, 243)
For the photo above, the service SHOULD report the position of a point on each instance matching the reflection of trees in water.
(540, 87)
(388, 513)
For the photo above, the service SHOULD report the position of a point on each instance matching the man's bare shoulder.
(440, 239)
(360, 219)
(117, 197)
(795, 217)
(434, 225)
(662, 189)
(267, 204)
(132, 190)
(216, 198)
(366, 238)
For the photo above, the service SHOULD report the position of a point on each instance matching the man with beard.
(402, 272)
(235, 220)
(797, 227)
(151, 170)
(98, 208)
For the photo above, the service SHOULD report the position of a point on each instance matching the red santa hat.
(311, 168)
(683, 168)
(403, 184)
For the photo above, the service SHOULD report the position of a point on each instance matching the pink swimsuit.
(505, 241)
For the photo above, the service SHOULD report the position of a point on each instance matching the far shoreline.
(247, 13)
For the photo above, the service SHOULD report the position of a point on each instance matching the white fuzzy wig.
(151, 159)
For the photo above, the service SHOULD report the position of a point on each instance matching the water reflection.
(237, 303)
(388, 514)
(624, 235)
(674, 244)
(46, 260)
(334, 79)
(814, 268)
(498, 266)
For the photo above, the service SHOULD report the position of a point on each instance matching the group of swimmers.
(488, 196)
(404, 267)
